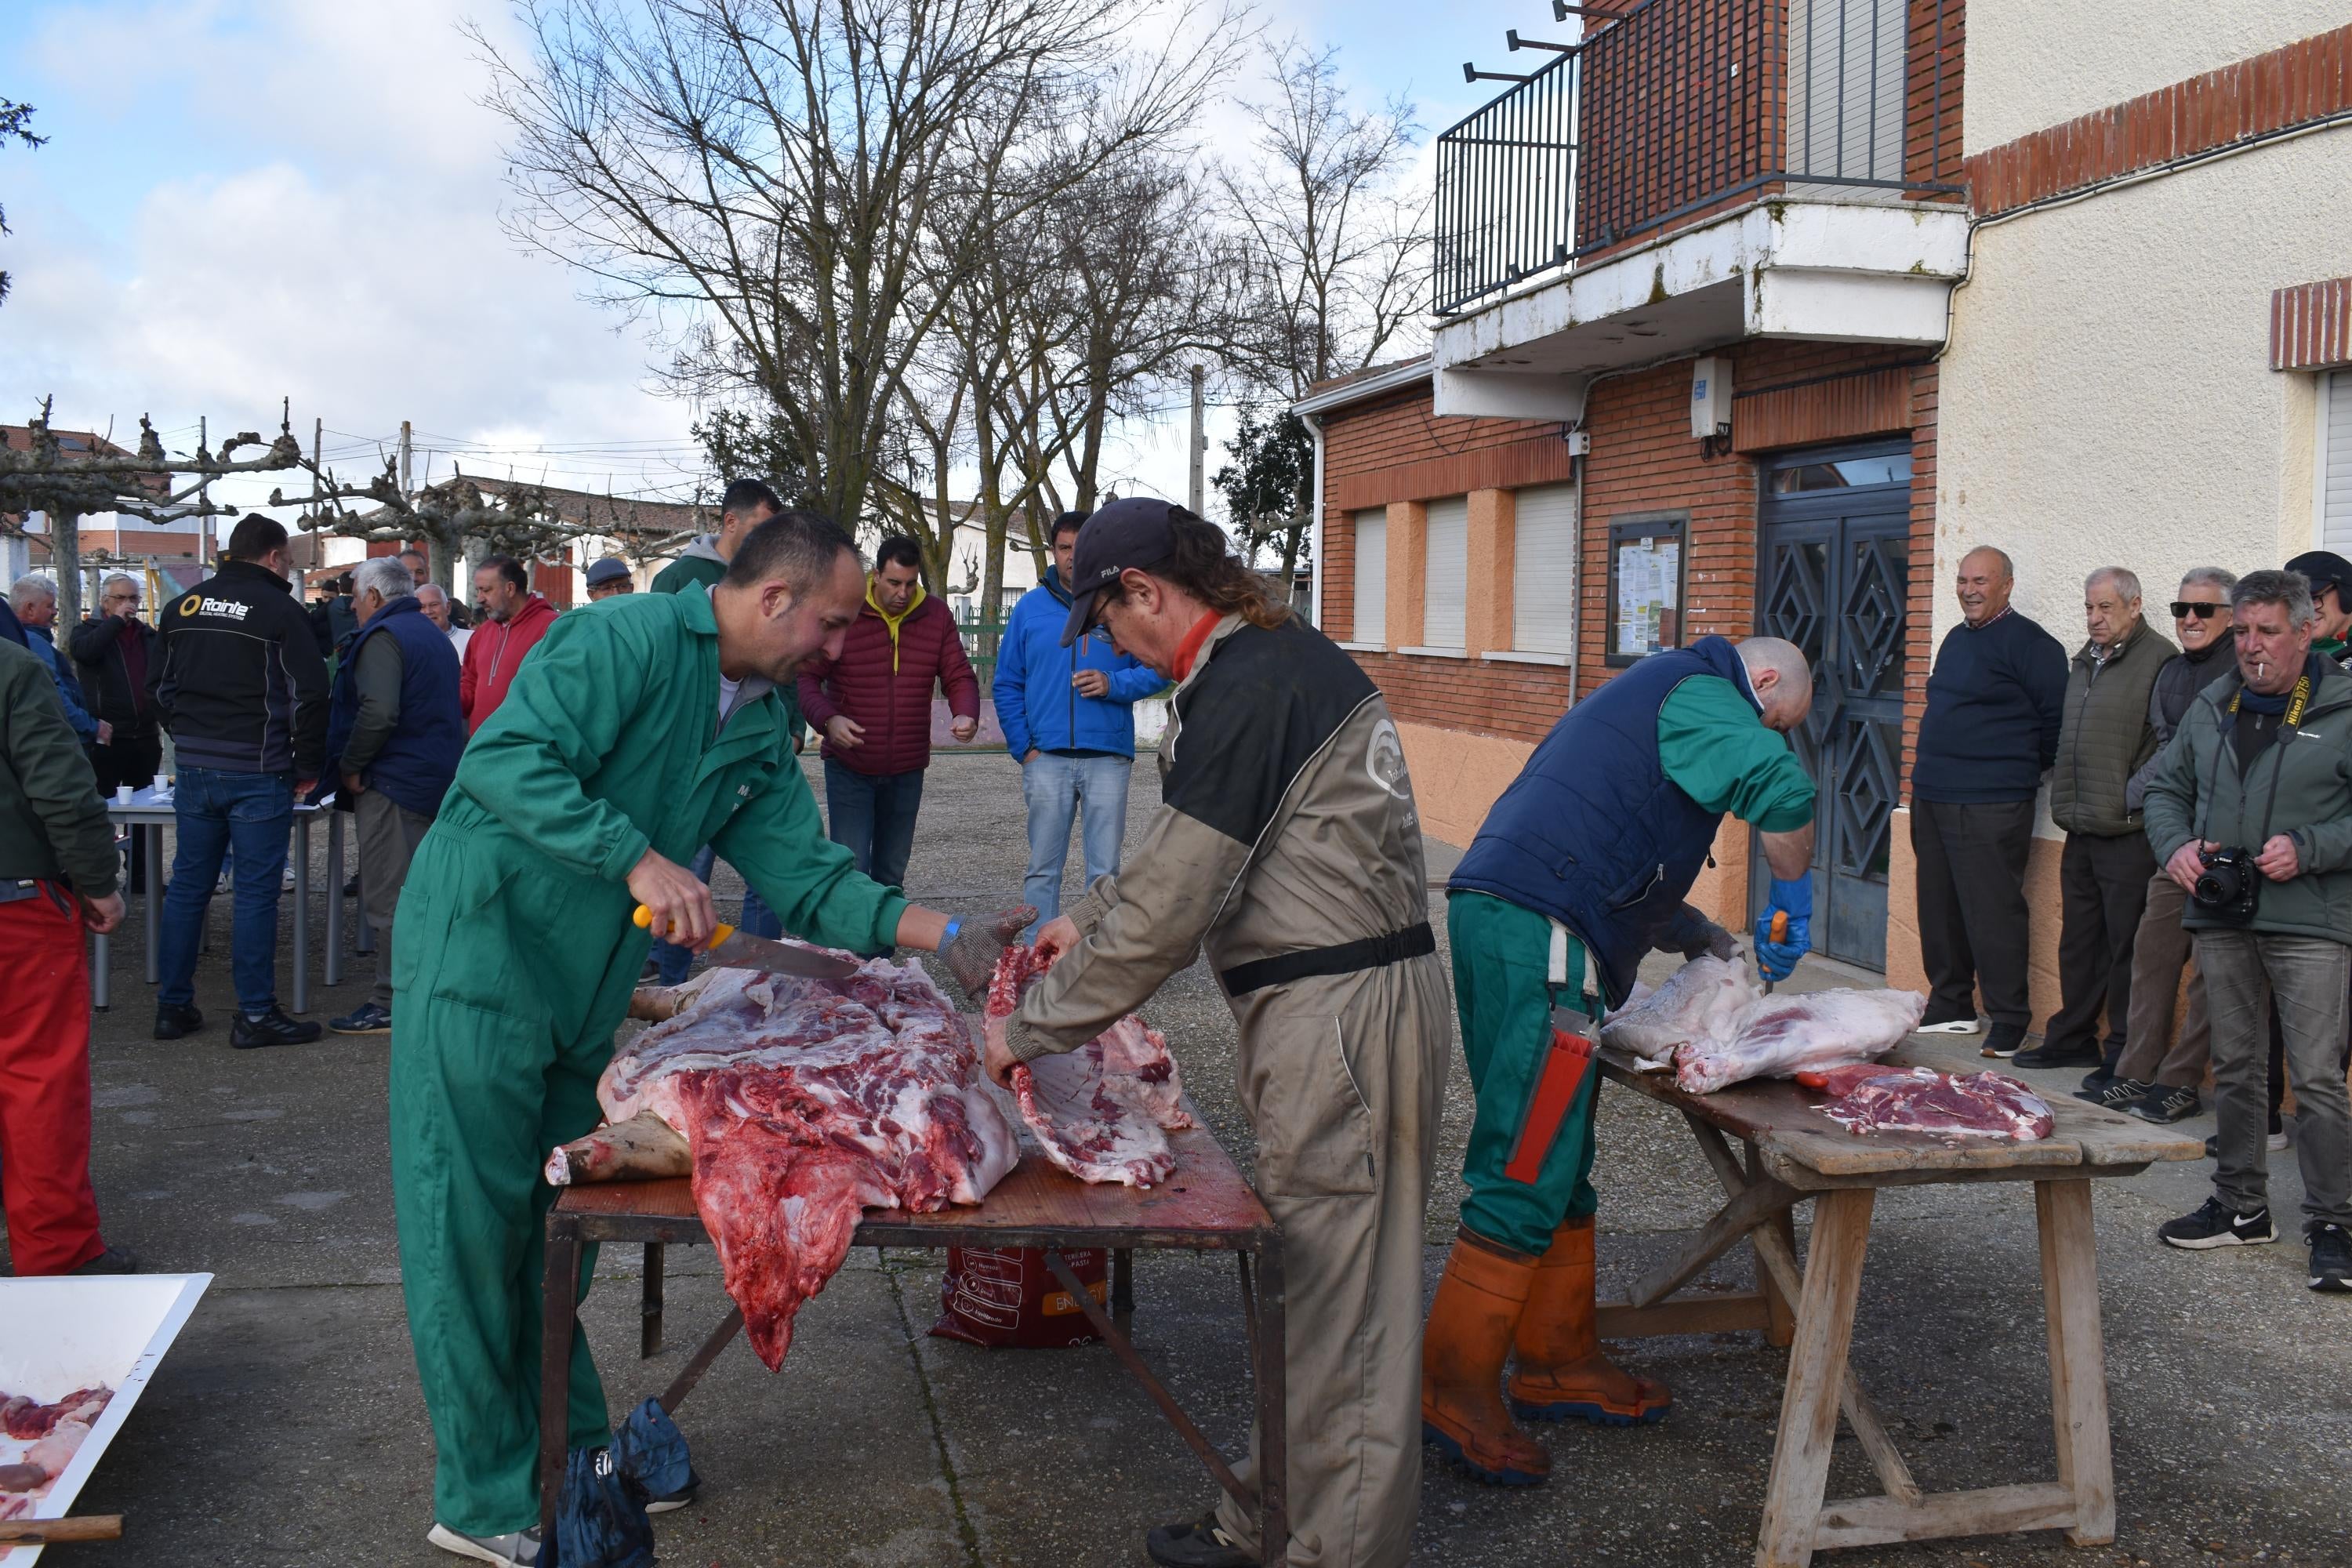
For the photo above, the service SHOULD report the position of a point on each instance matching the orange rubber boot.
(1560, 1373)
(1478, 1305)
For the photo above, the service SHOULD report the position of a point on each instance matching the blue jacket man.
(1068, 717)
(34, 603)
(395, 727)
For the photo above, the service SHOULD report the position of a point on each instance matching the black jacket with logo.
(239, 680)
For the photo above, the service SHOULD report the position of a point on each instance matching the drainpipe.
(1313, 422)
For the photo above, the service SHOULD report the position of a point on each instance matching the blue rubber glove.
(1795, 898)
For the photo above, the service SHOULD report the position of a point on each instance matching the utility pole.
(1199, 494)
(407, 461)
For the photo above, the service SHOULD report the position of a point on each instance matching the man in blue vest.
(1579, 871)
(395, 728)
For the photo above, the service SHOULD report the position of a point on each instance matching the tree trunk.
(65, 564)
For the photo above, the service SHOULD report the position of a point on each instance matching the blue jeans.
(671, 962)
(217, 812)
(873, 817)
(1054, 788)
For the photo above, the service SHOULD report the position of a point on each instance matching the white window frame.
(1372, 639)
(2333, 383)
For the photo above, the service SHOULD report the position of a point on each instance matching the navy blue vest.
(420, 756)
(1593, 833)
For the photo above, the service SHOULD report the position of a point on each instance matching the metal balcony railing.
(1674, 107)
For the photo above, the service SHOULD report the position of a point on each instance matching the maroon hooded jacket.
(883, 681)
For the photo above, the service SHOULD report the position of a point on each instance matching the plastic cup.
(122, 794)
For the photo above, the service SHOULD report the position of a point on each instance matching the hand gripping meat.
(1103, 1111)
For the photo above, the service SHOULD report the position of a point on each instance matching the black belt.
(1345, 958)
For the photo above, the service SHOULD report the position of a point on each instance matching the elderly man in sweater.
(2104, 739)
(1989, 733)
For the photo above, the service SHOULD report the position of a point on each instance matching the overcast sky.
(241, 202)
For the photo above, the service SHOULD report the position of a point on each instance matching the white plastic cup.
(122, 794)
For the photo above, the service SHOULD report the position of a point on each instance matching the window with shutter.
(1543, 569)
(1373, 578)
(2335, 478)
(1446, 579)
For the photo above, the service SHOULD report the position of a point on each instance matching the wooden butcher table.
(1792, 1152)
(1204, 1206)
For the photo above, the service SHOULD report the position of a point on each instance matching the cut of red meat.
(1103, 1111)
(807, 1102)
(1945, 1105)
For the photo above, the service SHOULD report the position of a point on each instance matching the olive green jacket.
(52, 823)
(2104, 735)
(2300, 785)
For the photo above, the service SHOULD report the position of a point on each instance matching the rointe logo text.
(234, 609)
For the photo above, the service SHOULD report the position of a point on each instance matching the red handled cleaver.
(731, 949)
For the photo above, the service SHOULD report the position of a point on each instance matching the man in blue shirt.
(34, 598)
(1068, 719)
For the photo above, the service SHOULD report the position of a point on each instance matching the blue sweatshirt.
(1036, 703)
(1994, 702)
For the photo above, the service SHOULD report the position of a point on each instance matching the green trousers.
(502, 1020)
(1502, 957)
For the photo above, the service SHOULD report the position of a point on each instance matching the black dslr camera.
(2228, 886)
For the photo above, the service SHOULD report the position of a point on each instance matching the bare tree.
(761, 176)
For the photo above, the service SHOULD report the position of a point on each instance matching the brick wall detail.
(2311, 326)
(1838, 408)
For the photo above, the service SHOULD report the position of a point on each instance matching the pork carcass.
(1703, 1000)
(1954, 1106)
(806, 1102)
(1781, 1035)
(1103, 1111)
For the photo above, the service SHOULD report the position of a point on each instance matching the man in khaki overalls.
(1286, 844)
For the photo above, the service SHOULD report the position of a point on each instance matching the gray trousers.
(2151, 1052)
(2309, 977)
(389, 835)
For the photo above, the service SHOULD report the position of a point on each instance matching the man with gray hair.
(395, 730)
(33, 599)
(434, 600)
(2103, 738)
(2250, 812)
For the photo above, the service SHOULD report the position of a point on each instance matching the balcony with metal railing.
(1681, 147)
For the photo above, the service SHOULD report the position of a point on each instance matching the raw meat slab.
(1702, 1000)
(1103, 1111)
(1955, 1106)
(1784, 1035)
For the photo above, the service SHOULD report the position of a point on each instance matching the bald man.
(1995, 700)
(1579, 871)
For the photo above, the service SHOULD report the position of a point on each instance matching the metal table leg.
(559, 1309)
(333, 966)
(301, 913)
(1273, 1409)
(154, 901)
(649, 1310)
(101, 986)
(366, 935)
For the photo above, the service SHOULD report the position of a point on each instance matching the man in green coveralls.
(1577, 872)
(641, 729)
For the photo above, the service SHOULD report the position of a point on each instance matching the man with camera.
(2250, 812)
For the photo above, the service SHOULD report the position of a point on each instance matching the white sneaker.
(2277, 1141)
(519, 1550)
(286, 880)
(1952, 1027)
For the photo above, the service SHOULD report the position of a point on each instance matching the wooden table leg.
(2078, 1371)
(649, 1306)
(559, 1307)
(1808, 1404)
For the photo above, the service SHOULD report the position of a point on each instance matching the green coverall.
(1715, 748)
(514, 964)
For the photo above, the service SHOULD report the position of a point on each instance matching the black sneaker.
(114, 1260)
(2045, 1056)
(2004, 1040)
(2165, 1104)
(2331, 1256)
(174, 1019)
(2119, 1092)
(366, 1019)
(2214, 1225)
(272, 1028)
(1199, 1544)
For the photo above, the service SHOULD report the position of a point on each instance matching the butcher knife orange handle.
(47, 1532)
(1779, 925)
(718, 933)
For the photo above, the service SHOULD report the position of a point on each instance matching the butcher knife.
(731, 949)
(1779, 933)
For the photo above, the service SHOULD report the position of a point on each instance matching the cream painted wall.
(2035, 63)
(2108, 396)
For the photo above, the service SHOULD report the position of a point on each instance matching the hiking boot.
(2165, 1104)
(1472, 1321)
(2045, 1055)
(2118, 1093)
(174, 1019)
(2003, 1039)
(519, 1550)
(114, 1260)
(2214, 1225)
(272, 1028)
(1200, 1545)
(1561, 1374)
(366, 1019)
(2331, 1256)
(1949, 1024)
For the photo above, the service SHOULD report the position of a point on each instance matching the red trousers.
(45, 1086)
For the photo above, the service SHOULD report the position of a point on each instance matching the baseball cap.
(610, 569)
(1131, 535)
(2324, 568)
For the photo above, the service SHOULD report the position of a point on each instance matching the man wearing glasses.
(116, 651)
